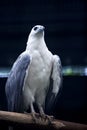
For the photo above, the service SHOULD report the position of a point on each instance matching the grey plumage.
(51, 96)
(15, 83)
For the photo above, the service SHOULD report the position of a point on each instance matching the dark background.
(65, 35)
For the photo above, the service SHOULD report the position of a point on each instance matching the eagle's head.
(37, 31)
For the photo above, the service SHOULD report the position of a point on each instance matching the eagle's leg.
(36, 117)
(43, 115)
(32, 108)
(33, 113)
(41, 111)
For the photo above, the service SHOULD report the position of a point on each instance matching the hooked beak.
(42, 28)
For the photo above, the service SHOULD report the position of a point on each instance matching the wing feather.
(55, 83)
(15, 83)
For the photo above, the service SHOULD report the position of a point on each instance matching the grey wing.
(55, 83)
(15, 83)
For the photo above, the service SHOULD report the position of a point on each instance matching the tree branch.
(12, 118)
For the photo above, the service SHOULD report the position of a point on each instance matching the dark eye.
(35, 28)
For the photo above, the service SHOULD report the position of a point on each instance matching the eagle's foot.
(36, 117)
(41, 118)
(46, 118)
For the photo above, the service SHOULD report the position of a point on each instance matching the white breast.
(39, 70)
(38, 75)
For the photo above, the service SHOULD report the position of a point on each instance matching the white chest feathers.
(38, 75)
(40, 68)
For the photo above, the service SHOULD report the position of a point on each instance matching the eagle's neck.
(36, 44)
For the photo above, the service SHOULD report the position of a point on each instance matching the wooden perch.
(12, 118)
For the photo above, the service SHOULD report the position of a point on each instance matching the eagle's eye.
(35, 28)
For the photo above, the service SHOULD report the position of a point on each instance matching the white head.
(36, 36)
(37, 31)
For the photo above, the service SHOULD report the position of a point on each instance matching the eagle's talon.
(34, 117)
(47, 117)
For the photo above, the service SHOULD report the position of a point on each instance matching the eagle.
(35, 77)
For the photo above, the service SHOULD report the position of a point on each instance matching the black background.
(64, 20)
